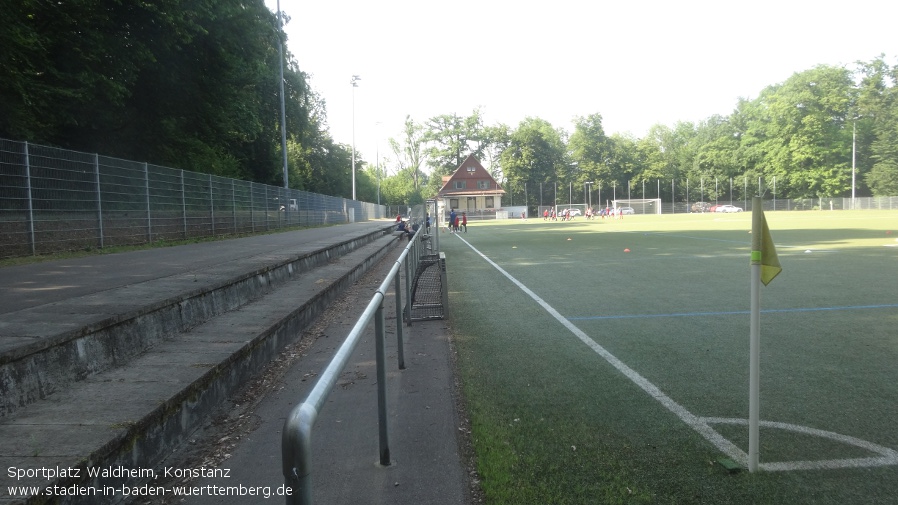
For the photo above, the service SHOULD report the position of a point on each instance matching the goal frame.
(640, 205)
(562, 206)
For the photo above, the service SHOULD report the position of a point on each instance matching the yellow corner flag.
(763, 252)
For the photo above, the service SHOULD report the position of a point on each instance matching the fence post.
(233, 206)
(435, 223)
(296, 454)
(382, 419)
(252, 209)
(183, 205)
(281, 203)
(266, 207)
(31, 237)
(99, 197)
(211, 206)
(408, 289)
(397, 284)
(146, 180)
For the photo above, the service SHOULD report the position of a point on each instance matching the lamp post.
(354, 81)
(588, 185)
(281, 85)
(853, 156)
(377, 154)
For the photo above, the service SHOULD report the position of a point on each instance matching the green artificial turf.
(555, 422)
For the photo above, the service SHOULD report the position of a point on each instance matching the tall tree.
(536, 156)
(498, 138)
(190, 84)
(73, 64)
(451, 139)
(875, 120)
(409, 153)
(797, 132)
(590, 149)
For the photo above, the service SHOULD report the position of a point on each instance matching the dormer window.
(471, 169)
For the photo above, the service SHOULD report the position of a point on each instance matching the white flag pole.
(754, 378)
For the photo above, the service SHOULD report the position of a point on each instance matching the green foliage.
(409, 153)
(451, 139)
(883, 178)
(536, 154)
(400, 190)
(190, 84)
(590, 150)
(878, 109)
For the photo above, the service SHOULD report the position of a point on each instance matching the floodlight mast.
(283, 100)
(853, 156)
(354, 81)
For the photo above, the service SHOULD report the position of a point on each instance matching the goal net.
(561, 207)
(640, 205)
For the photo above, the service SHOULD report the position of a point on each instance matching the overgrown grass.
(554, 422)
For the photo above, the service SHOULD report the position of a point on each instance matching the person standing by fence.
(464, 221)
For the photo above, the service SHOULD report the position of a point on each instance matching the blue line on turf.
(730, 313)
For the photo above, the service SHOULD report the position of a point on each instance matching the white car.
(626, 210)
(728, 208)
(293, 206)
(573, 212)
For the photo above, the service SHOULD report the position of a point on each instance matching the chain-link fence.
(699, 198)
(55, 200)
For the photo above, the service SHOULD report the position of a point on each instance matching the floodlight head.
(354, 80)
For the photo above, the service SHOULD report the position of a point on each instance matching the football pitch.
(607, 361)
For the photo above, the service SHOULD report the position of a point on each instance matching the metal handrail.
(296, 446)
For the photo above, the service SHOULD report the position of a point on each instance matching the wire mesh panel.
(429, 289)
(243, 211)
(64, 199)
(875, 202)
(15, 222)
(166, 203)
(222, 202)
(197, 205)
(124, 202)
(261, 210)
(305, 208)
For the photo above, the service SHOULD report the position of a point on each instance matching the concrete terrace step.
(45, 347)
(132, 416)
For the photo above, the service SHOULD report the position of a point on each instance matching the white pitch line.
(888, 456)
(702, 425)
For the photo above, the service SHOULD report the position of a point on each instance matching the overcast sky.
(637, 63)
